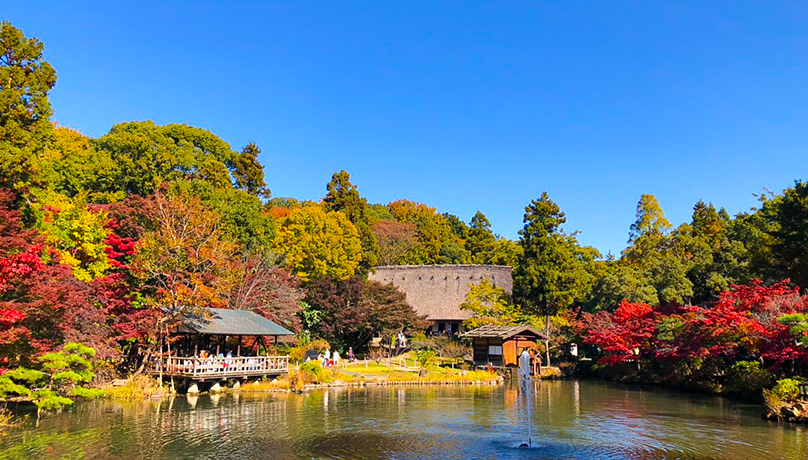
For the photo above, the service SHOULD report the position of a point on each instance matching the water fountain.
(525, 390)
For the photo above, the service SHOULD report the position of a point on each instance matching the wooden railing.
(243, 366)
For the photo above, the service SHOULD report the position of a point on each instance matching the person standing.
(327, 357)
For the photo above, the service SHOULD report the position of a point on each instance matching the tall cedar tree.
(343, 196)
(25, 128)
(249, 173)
(789, 234)
(552, 272)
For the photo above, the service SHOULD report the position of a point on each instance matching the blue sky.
(462, 105)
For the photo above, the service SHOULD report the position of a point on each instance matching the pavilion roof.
(221, 321)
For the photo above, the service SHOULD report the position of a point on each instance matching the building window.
(495, 350)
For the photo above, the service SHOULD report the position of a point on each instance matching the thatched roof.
(500, 332)
(436, 291)
(220, 321)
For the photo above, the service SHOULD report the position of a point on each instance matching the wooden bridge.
(221, 368)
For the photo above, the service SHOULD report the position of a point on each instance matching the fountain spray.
(525, 387)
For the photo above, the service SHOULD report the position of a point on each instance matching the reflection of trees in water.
(592, 418)
(53, 445)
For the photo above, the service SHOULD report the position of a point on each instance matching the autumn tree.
(263, 287)
(318, 244)
(38, 296)
(627, 335)
(349, 312)
(436, 240)
(183, 260)
(25, 128)
(395, 239)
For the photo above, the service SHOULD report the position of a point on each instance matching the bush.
(298, 353)
(425, 357)
(443, 346)
(782, 396)
(746, 378)
(787, 389)
(312, 372)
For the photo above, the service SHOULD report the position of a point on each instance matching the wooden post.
(238, 351)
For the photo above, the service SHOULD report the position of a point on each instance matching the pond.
(571, 420)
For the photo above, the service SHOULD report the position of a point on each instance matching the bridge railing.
(223, 367)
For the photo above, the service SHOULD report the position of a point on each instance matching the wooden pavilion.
(209, 330)
(501, 345)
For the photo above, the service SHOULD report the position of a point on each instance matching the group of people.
(329, 358)
(203, 354)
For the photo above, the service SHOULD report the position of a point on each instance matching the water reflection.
(571, 420)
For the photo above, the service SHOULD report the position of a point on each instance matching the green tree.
(489, 305)
(25, 128)
(481, 241)
(149, 155)
(71, 166)
(459, 228)
(621, 281)
(553, 272)
(343, 196)
(319, 244)
(249, 173)
(243, 217)
(789, 234)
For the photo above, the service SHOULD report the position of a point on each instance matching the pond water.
(571, 420)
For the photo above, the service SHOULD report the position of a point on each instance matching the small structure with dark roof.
(221, 321)
(209, 329)
(501, 345)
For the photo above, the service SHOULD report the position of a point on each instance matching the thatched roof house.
(436, 291)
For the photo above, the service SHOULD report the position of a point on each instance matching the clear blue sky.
(462, 105)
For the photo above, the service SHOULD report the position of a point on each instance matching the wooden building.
(219, 331)
(501, 345)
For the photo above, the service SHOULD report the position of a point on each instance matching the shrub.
(787, 389)
(746, 378)
(425, 357)
(312, 372)
(784, 393)
(298, 353)
(443, 346)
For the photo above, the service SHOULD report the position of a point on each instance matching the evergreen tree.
(789, 234)
(343, 196)
(552, 273)
(249, 173)
(25, 127)
(481, 241)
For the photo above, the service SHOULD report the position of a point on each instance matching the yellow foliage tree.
(318, 244)
(78, 233)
